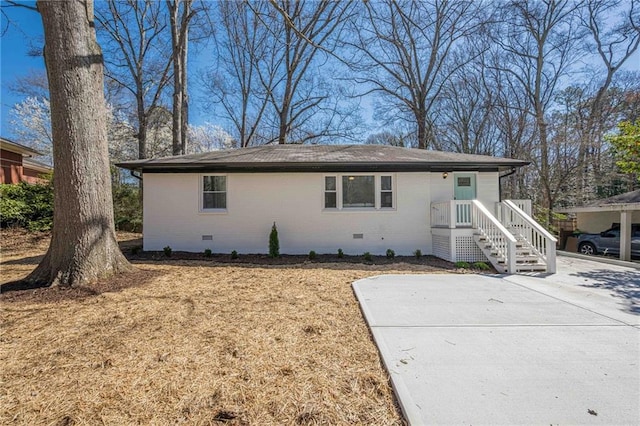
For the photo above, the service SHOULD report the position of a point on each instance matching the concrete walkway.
(481, 349)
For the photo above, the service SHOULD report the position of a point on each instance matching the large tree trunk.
(179, 19)
(177, 77)
(83, 245)
(184, 117)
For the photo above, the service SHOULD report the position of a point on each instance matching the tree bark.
(83, 246)
(180, 18)
(177, 77)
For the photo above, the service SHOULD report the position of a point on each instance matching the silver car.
(608, 242)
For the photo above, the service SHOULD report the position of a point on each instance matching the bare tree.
(539, 43)
(137, 61)
(405, 54)
(234, 83)
(33, 84)
(181, 13)
(465, 117)
(87, 250)
(388, 137)
(303, 34)
(615, 41)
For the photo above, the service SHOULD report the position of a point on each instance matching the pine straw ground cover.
(192, 342)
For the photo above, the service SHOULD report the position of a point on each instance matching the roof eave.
(18, 149)
(319, 167)
(602, 208)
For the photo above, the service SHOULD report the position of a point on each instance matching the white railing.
(524, 205)
(541, 240)
(451, 214)
(440, 214)
(495, 234)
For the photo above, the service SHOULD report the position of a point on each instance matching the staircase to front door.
(515, 243)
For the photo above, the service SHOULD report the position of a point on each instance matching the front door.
(464, 188)
(464, 185)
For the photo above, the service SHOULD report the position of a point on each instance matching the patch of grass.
(462, 265)
(481, 266)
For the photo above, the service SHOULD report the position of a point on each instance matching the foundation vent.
(358, 236)
(207, 238)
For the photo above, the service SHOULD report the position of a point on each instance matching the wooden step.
(533, 267)
(530, 259)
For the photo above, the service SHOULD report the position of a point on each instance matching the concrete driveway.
(493, 349)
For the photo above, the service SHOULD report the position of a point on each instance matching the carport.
(600, 214)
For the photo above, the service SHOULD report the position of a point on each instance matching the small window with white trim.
(214, 192)
(386, 192)
(330, 192)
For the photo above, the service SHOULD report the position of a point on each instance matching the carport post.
(625, 235)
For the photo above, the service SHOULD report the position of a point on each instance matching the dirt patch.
(17, 290)
(195, 341)
(263, 259)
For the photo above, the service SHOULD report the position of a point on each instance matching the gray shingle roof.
(626, 198)
(329, 158)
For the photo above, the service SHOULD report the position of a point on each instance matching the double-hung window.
(214, 192)
(342, 192)
(386, 192)
(330, 192)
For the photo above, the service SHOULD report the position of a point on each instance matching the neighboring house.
(17, 166)
(600, 215)
(360, 198)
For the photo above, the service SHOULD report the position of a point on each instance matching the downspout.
(513, 170)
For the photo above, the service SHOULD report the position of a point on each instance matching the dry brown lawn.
(191, 342)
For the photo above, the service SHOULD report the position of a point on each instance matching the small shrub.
(340, 253)
(390, 254)
(312, 255)
(274, 243)
(462, 265)
(234, 254)
(135, 249)
(418, 254)
(481, 265)
(207, 253)
(367, 256)
(167, 251)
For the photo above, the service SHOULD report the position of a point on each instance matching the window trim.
(325, 191)
(392, 191)
(377, 182)
(375, 185)
(201, 192)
